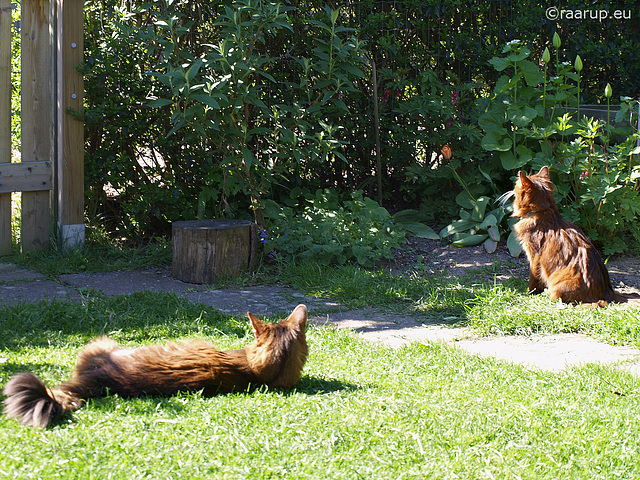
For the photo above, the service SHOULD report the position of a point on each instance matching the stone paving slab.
(259, 300)
(35, 291)
(550, 352)
(122, 283)
(544, 352)
(12, 273)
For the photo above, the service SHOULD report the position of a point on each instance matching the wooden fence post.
(5, 120)
(37, 119)
(70, 133)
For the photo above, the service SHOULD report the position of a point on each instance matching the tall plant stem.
(544, 91)
(608, 122)
(376, 126)
(578, 115)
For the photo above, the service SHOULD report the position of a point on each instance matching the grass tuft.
(96, 256)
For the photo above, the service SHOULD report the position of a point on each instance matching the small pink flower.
(584, 175)
(454, 97)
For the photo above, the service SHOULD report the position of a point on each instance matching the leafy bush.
(328, 232)
(476, 225)
(254, 99)
(251, 124)
(527, 124)
(236, 95)
(598, 184)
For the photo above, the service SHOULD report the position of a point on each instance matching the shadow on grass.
(139, 317)
(312, 385)
(178, 403)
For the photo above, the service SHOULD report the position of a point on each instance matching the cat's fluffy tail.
(626, 297)
(32, 403)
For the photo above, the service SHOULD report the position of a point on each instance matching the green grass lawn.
(360, 410)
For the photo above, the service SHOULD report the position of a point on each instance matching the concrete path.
(552, 352)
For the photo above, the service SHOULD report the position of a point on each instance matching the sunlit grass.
(360, 410)
(491, 307)
(96, 255)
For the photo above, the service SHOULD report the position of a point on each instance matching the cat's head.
(280, 349)
(533, 193)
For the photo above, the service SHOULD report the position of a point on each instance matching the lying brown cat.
(561, 257)
(275, 359)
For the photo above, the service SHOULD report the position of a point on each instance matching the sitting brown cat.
(561, 257)
(275, 359)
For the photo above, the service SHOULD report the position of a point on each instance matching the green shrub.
(597, 184)
(327, 232)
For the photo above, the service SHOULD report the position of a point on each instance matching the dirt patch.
(433, 257)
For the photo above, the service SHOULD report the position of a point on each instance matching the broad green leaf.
(511, 162)
(499, 63)
(465, 200)
(494, 233)
(193, 70)
(479, 208)
(340, 104)
(248, 157)
(532, 74)
(490, 245)
(522, 117)
(206, 100)
(468, 240)
(271, 209)
(334, 16)
(519, 56)
(455, 227)
(493, 141)
(421, 230)
(514, 246)
(489, 221)
(524, 152)
(352, 69)
(160, 102)
(407, 216)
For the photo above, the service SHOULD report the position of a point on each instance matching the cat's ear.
(524, 181)
(544, 172)
(256, 324)
(298, 316)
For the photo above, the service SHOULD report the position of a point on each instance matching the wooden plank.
(37, 126)
(35, 221)
(25, 177)
(5, 120)
(70, 170)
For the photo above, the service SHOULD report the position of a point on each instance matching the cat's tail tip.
(30, 401)
(630, 298)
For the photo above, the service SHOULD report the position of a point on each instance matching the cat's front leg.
(535, 284)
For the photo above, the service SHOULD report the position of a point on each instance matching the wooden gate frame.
(52, 162)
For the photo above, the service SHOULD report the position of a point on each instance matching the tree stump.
(206, 250)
